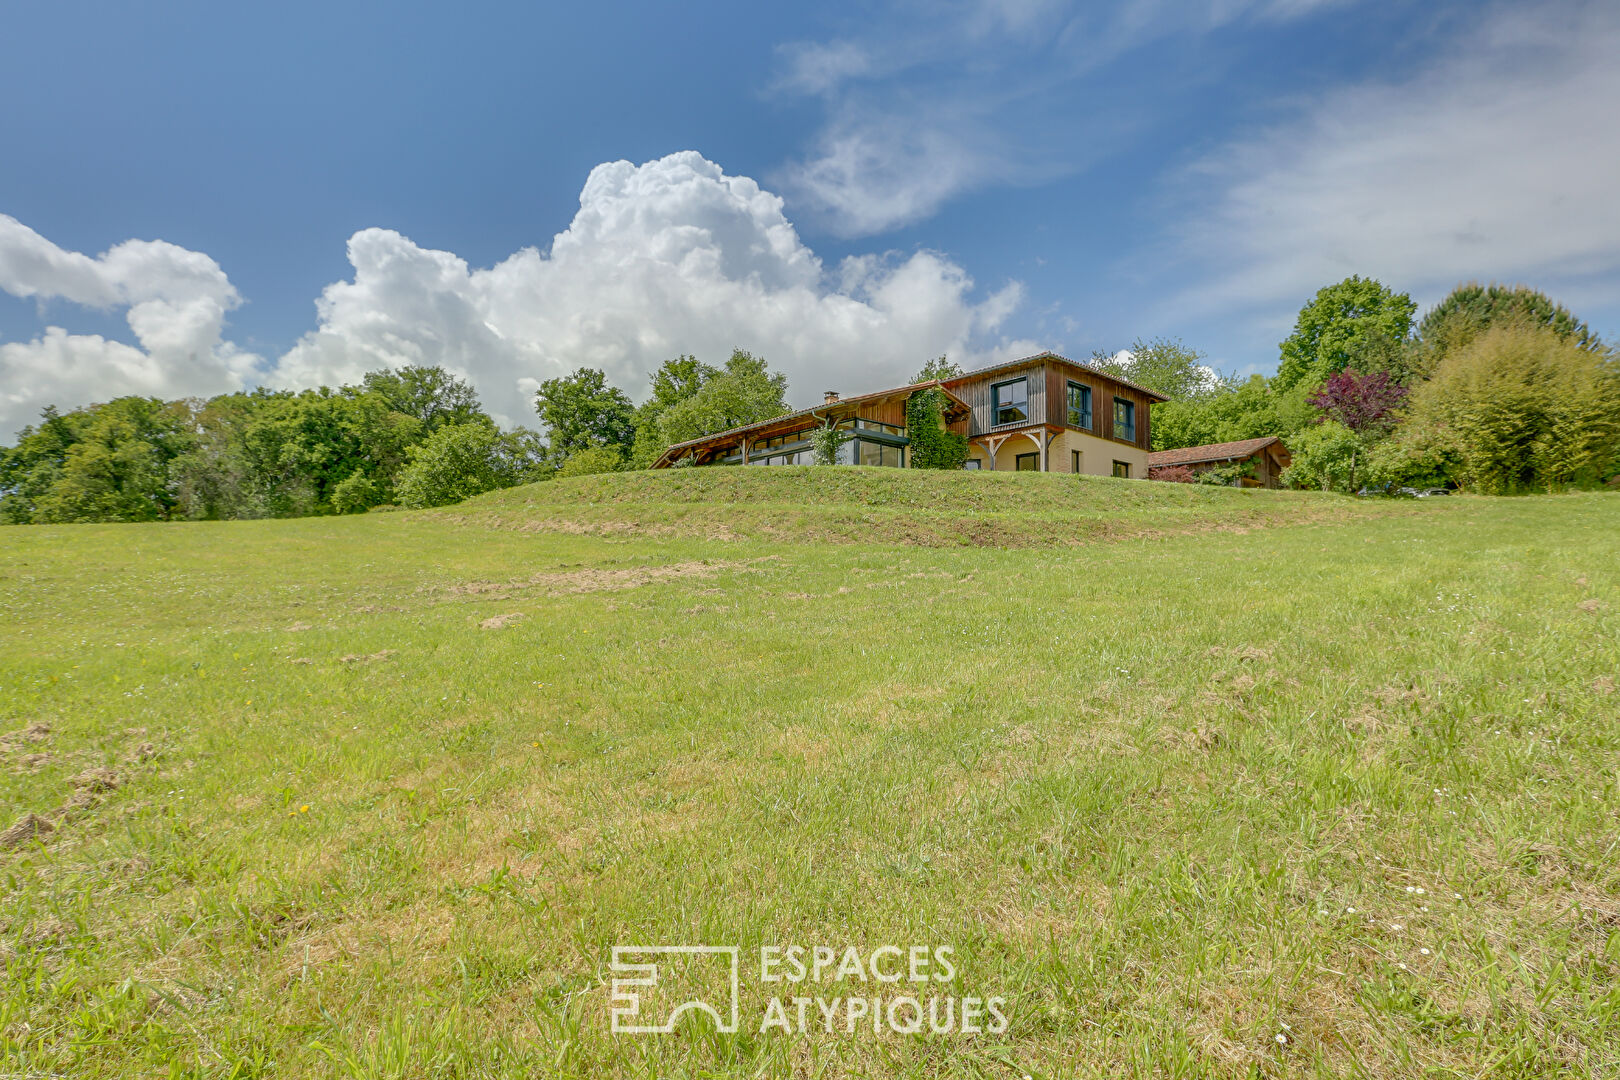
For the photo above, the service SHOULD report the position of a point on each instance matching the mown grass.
(1172, 795)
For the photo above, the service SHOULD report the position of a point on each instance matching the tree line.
(412, 437)
(1497, 389)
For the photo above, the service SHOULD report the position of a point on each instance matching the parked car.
(1427, 492)
(1389, 491)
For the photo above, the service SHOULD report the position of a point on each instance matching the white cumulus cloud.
(176, 302)
(669, 257)
(663, 258)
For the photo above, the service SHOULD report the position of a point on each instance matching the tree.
(1247, 410)
(430, 395)
(581, 411)
(1165, 365)
(1471, 309)
(106, 462)
(746, 391)
(1362, 403)
(1324, 457)
(675, 381)
(1524, 408)
(455, 463)
(940, 368)
(1339, 327)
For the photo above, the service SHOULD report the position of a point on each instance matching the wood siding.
(1049, 399)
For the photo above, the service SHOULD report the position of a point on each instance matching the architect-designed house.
(1044, 413)
(1266, 457)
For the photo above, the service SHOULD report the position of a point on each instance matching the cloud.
(176, 302)
(1495, 161)
(926, 103)
(667, 257)
(816, 68)
(663, 258)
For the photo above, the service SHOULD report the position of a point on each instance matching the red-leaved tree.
(1362, 403)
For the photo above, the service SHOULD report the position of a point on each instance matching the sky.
(201, 197)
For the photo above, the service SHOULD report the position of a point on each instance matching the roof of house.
(1226, 451)
(1154, 394)
(673, 451)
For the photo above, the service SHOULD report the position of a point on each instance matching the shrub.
(825, 442)
(590, 461)
(1174, 474)
(1230, 475)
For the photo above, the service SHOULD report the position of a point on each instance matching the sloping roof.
(1226, 451)
(976, 372)
(673, 451)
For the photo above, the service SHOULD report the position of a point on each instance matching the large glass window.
(1010, 401)
(874, 453)
(1124, 420)
(1079, 406)
(1027, 463)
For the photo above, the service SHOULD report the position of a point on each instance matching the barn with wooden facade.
(1043, 413)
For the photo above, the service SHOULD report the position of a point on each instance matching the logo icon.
(655, 981)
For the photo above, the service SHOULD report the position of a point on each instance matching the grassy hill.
(897, 505)
(377, 796)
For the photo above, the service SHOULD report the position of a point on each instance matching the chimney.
(829, 397)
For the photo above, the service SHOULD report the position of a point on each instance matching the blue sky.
(847, 189)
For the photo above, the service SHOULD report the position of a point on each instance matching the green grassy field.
(1204, 782)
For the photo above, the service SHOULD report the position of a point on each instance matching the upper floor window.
(1124, 419)
(1010, 401)
(1079, 405)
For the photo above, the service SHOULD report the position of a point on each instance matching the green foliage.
(1345, 325)
(581, 411)
(1413, 457)
(933, 446)
(1168, 366)
(1249, 410)
(1524, 409)
(1325, 458)
(429, 395)
(826, 441)
(1231, 474)
(592, 460)
(1472, 308)
(101, 463)
(675, 381)
(745, 391)
(266, 453)
(940, 368)
(455, 463)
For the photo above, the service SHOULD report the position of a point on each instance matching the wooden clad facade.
(1043, 422)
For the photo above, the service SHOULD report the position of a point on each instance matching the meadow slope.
(1204, 782)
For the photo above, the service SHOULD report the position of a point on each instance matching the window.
(1122, 469)
(1076, 454)
(1010, 401)
(1124, 420)
(1027, 463)
(1079, 406)
(875, 453)
(973, 463)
